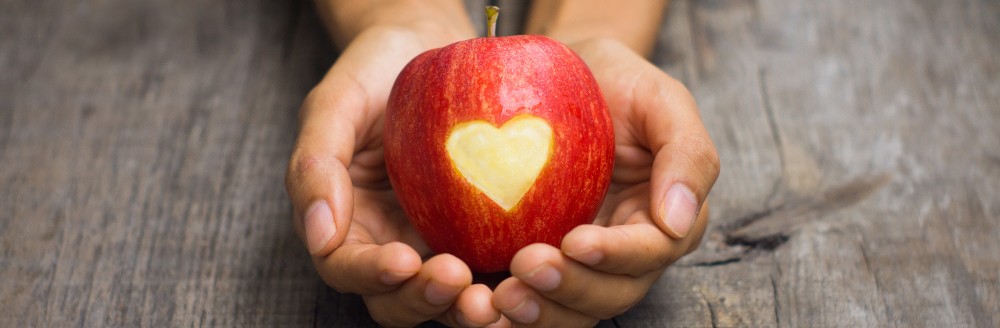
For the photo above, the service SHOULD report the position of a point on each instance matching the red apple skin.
(494, 79)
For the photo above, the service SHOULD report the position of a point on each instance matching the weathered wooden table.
(143, 146)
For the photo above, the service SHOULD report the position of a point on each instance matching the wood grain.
(855, 139)
(143, 146)
(142, 154)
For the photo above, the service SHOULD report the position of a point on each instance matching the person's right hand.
(344, 207)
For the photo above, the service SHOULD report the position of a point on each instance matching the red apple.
(492, 144)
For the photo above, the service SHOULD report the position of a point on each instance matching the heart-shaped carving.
(503, 163)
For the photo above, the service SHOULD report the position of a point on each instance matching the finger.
(699, 229)
(368, 269)
(473, 308)
(317, 180)
(425, 296)
(630, 249)
(567, 282)
(322, 201)
(633, 248)
(524, 307)
(685, 164)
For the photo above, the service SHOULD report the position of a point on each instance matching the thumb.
(685, 164)
(317, 180)
(322, 201)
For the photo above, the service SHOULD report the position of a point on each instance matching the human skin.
(665, 166)
(347, 215)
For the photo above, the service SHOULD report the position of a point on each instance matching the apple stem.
(491, 20)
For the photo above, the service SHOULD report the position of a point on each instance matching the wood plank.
(143, 145)
(864, 102)
(144, 163)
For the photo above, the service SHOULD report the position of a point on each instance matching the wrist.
(435, 22)
(429, 33)
(593, 44)
(632, 23)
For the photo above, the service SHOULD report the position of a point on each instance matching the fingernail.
(678, 209)
(437, 294)
(526, 312)
(319, 226)
(544, 278)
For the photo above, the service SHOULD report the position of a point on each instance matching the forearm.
(439, 22)
(633, 22)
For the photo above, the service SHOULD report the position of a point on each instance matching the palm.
(378, 217)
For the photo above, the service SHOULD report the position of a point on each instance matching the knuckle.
(301, 162)
(305, 162)
(701, 154)
(669, 84)
(668, 90)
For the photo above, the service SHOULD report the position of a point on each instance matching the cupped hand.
(654, 213)
(344, 208)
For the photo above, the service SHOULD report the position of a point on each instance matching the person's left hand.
(654, 213)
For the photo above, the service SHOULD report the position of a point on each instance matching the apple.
(495, 143)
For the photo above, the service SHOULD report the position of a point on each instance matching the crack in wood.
(711, 309)
(743, 221)
(766, 243)
(868, 268)
(769, 229)
(777, 303)
(779, 144)
(715, 263)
